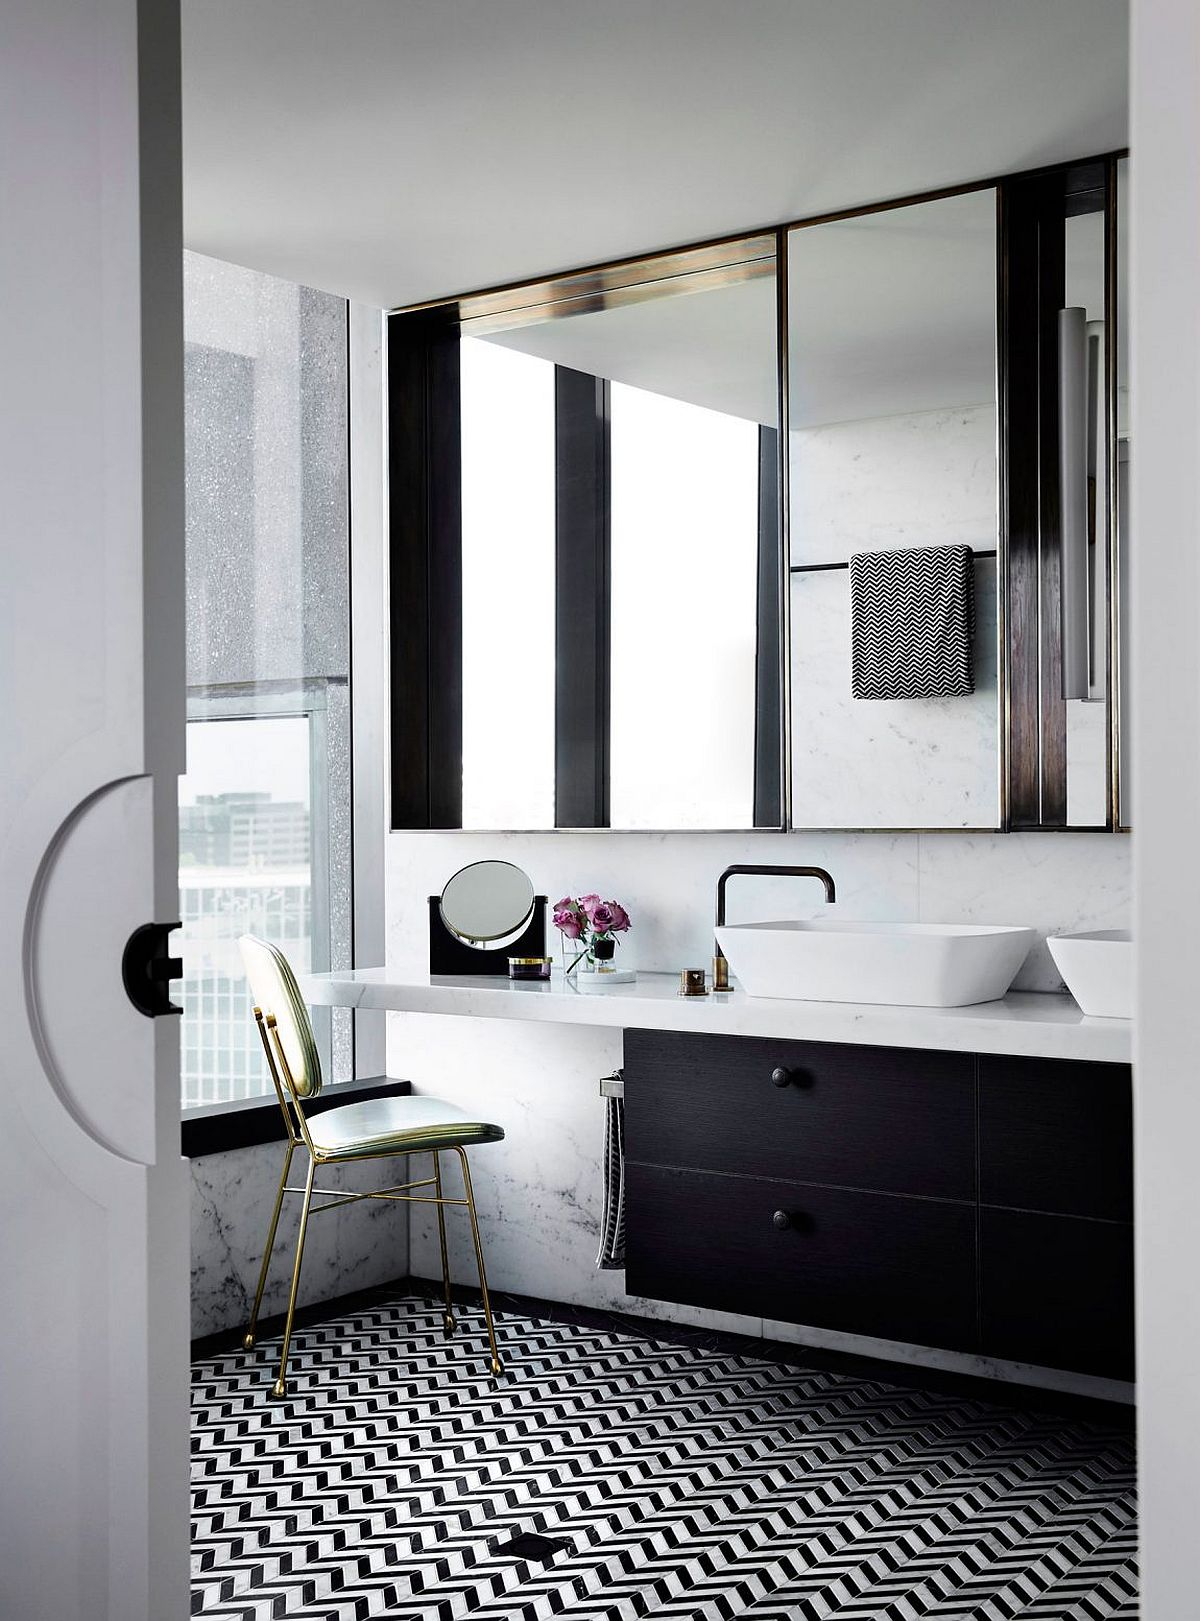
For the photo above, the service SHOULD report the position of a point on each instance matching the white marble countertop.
(1024, 1024)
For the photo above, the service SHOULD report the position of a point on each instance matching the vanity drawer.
(1056, 1136)
(866, 1263)
(1057, 1291)
(860, 1117)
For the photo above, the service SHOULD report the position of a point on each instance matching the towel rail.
(821, 568)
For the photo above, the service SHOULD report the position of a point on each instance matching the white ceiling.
(399, 150)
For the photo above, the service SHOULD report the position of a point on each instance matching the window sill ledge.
(219, 1128)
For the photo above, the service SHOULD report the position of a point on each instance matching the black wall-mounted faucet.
(770, 872)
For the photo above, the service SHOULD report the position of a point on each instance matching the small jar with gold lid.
(529, 968)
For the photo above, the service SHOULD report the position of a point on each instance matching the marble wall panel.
(232, 1196)
(1055, 882)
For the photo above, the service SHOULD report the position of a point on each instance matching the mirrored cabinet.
(815, 528)
(1061, 499)
(585, 490)
(892, 448)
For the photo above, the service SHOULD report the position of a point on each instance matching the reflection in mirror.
(1083, 438)
(1059, 471)
(620, 553)
(893, 447)
(486, 902)
(507, 587)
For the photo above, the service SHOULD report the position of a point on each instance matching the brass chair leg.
(497, 1365)
(280, 1386)
(448, 1318)
(248, 1340)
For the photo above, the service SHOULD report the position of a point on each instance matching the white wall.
(232, 1195)
(1165, 141)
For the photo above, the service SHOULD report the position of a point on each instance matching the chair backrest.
(276, 994)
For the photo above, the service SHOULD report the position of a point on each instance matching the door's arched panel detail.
(86, 901)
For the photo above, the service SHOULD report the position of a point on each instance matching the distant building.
(243, 830)
(244, 869)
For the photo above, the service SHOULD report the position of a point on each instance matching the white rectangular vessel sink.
(899, 964)
(1098, 969)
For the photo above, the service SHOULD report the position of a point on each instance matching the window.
(264, 834)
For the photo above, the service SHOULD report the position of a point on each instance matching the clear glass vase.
(577, 956)
(584, 956)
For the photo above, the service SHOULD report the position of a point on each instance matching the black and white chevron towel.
(912, 623)
(611, 1255)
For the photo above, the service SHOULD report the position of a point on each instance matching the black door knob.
(781, 1077)
(782, 1220)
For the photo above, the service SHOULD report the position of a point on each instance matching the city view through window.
(245, 867)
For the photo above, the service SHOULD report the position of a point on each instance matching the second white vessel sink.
(825, 959)
(1098, 969)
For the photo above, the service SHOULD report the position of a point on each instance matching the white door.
(93, 1231)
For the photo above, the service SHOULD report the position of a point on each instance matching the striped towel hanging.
(912, 623)
(611, 1255)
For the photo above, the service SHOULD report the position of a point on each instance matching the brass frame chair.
(381, 1128)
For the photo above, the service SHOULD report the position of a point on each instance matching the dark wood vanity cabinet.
(869, 1263)
(867, 1117)
(972, 1203)
(1056, 1213)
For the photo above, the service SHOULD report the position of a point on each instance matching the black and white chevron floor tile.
(681, 1481)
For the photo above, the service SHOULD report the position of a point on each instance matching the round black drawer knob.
(782, 1220)
(781, 1077)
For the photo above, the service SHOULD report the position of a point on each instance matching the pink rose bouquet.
(592, 924)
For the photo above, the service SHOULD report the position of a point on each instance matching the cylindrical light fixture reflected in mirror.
(1073, 500)
(1097, 431)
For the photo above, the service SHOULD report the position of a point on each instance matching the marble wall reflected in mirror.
(892, 445)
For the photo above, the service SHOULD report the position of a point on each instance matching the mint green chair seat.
(380, 1128)
(403, 1125)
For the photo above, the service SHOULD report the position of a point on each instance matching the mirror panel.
(1059, 495)
(592, 622)
(893, 446)
(687, 460)
(620, 521)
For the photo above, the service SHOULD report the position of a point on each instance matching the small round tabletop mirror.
(486, 902)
